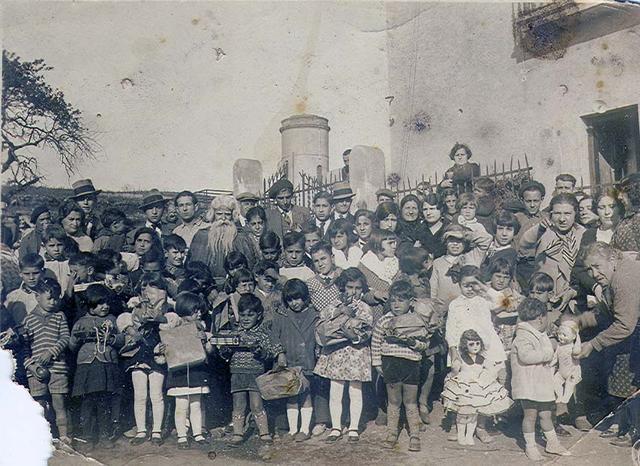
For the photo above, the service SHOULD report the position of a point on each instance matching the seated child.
(292, 264)
(322, 286)
(247, 362)
(343, 333)
(55, 258)
(46, 332)
(471, 389)
(295, 332)
(96, 339)
(346, 254)
(188, 384)
(396, 355)
(532, 379)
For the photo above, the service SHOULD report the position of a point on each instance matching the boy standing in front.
(46, 332)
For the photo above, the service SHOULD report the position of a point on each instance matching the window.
(614, 144)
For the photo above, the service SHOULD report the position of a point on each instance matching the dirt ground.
(588, 449)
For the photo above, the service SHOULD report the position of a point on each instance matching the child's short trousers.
(400, 370)
(58, 384)
(244, 383)
(539, 405)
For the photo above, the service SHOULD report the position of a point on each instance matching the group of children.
(365, 316)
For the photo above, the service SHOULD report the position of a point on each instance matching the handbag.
(183, 346)
(282, 383)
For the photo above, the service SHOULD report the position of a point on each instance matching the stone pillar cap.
(305, 121)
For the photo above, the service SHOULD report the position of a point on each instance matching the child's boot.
(413, 418)
(470, 430)
(263, 427)
(393, 417)
(238, 429)
(460, 431)
(554, 446)
(531, 449)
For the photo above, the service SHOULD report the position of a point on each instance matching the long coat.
(296, 333)
(531, 369)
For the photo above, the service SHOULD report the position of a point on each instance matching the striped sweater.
(380, 347)
(47, 333)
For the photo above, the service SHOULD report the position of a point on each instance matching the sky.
(175, 92)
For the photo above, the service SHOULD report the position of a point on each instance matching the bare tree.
(36, 116)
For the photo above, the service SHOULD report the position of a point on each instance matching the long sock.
(335, 403)
(530, 439)
(551, 437)
(461, 428)
(292, 417)
(413, 419)
(305, 419)
(355, 405)
(238, 423)
(195, 414)
(470, 430)
(262, 422)
(180, 417)
(393, 417)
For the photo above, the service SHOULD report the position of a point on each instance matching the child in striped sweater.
(46, 332)
(396, 354)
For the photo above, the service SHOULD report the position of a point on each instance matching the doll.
(568, 373)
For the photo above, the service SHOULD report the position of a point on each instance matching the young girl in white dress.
(472, 389)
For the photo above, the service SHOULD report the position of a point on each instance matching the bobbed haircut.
(508, 219)
(270, 240)
(97, 294)
(458, 146)
(295, 289)
(352, 274)
(256, 211)
(466, 337)
(385, 209)
(174, 241)
(377, 237)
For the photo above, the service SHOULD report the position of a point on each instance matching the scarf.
(564, 249)
(386, 269)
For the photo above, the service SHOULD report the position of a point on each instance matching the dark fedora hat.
(83, 188)
(342, 191)
(278, 186)
(152, 198)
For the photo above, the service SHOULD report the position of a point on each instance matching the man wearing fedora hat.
(86, 196)
(153, 205)
(341, 201)
(285, 216)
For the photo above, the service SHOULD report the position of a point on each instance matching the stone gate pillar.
(305, 146)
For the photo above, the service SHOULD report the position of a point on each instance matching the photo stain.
(195, 21)
(420, 122)
(301, 105)
(600, 84)
(126, 83)
(605, 46)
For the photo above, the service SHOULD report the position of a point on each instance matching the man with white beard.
(211, 245)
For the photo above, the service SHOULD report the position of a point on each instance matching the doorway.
(614, 144)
